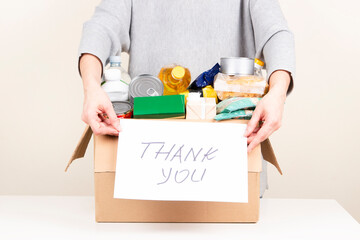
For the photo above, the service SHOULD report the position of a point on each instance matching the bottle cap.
(178, 72)
(112, 75)
(116, 59)
(259, 62)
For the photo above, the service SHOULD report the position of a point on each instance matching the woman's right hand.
(98, 112)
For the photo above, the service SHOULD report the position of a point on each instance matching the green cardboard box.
(170, 106)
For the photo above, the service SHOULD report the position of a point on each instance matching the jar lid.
(237, 66)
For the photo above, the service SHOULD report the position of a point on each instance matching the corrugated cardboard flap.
(81, 147)
(269, 155)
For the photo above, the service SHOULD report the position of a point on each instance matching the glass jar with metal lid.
(241, 66)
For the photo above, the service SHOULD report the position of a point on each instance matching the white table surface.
(44, 217)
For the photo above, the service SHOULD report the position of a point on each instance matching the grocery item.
(209, 92)
(239, 66)
(258, 66)
(227, 86)
(206, 78)
(200, 108)
(123, 109)
(175, 78)
(239, 114)
(116, 89)
(206, 92)
(115, 63)
(237, 107)
(145, 85)
(237, 103)
(185, 94)
(237, 79)
(172, 106)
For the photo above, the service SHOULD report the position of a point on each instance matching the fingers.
(251, 138)
(105, 118)
(265, 131)
(98, 126)
(101, 128)
(268, 111)
(112, 119)
(253, 123)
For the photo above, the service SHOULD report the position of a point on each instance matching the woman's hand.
(98, 111)
(268, 113)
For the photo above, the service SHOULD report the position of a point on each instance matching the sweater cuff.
(279, 55)
(95, 41)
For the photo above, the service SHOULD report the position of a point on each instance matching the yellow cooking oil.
(176, 79)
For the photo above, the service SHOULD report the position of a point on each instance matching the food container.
(116, 89)
(227, 86)
(145, 85)
(237, 66)
(123, 109)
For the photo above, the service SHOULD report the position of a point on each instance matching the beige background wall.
(41, 102)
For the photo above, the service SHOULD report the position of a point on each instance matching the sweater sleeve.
(274, 42)
(107, 33)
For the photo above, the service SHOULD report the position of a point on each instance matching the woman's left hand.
(267, 116)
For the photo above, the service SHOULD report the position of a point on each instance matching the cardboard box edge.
(81, 147)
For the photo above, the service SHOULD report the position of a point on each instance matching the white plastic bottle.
(116, 89)
(115, 63)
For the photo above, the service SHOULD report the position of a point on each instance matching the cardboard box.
(201, 108)
(108, 209)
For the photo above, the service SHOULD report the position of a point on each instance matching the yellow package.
(209, 92)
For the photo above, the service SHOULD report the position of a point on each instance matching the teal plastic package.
(236, 108)
(233, 104)
(239, 114)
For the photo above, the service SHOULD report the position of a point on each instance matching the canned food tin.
(145, 85)
(123, 109)
(237, 66)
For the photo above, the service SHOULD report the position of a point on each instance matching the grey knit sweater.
(192, 33)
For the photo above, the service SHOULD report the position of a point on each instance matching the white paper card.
(181, 161)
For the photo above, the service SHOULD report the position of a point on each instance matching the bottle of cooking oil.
(176, 79)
